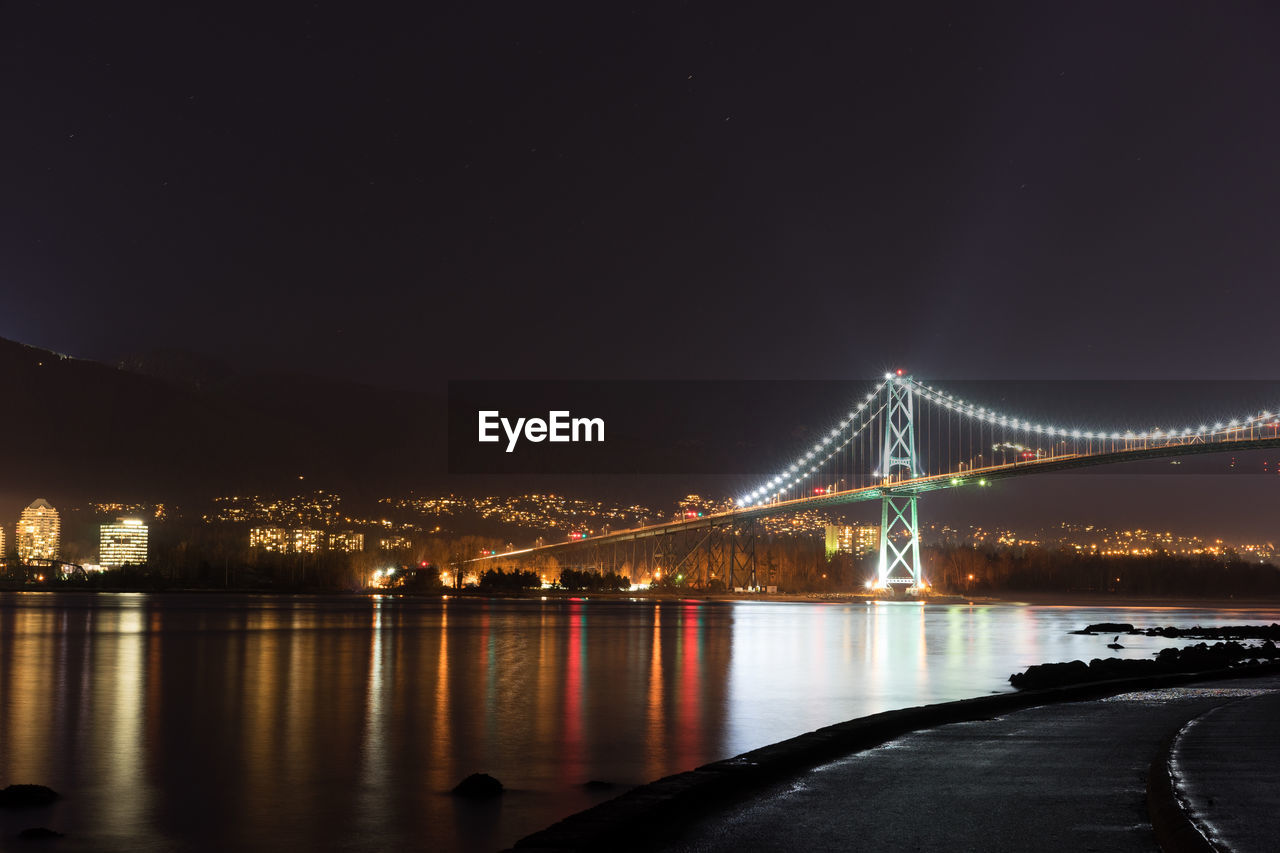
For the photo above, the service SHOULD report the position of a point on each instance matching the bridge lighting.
(1218, 425)
(982, 482)
(1075, 433)
(1234, 422)
(955, 481)
(888, 376)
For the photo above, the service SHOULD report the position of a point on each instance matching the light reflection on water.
(175, 722)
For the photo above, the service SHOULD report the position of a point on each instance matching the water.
(209, 722)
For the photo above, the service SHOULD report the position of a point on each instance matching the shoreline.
(664, 807)
(1012, 599)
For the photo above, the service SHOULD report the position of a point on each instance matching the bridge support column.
(899, 519)
(900, 522)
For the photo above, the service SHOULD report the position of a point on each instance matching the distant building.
(858, 540)
(3, 552)
(269, 539)
(395, 543)
(346, 541)
(279, 540)
(306, 541)
(123, 543)
(39, 532)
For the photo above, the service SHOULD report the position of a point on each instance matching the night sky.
(411, 194)
(423, 192)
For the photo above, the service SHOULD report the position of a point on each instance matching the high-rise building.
(298, 541)
(269, 539)
(122, 543)
(347, 540)
(306, 541)
(39, 532)
(3, 552)
(395, 543)
(857, 540)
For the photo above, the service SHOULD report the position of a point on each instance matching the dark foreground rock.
(38, 833)
(1107, 628)
(478, 786)
(26, 796)
(1227, 632)
(1197, 658)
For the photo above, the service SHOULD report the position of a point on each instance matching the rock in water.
(26, 796)
(1051, 675)
(1108, 628)
(478, 786)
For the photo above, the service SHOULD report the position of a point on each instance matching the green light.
(955, 481)
(982, 482)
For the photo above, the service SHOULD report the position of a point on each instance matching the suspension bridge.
(903, 439)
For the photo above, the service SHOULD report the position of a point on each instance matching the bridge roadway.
(912, 486)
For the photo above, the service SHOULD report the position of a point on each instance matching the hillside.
(79, 429)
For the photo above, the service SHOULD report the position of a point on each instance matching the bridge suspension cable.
(957, 435)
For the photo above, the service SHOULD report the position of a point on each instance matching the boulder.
(26, 796)
(478, 786)
(1051, 675)
(1108, 628)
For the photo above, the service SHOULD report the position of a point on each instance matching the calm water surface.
(208, 722)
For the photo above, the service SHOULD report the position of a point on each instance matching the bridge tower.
(898, 513)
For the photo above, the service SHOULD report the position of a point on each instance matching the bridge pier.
(899, 516)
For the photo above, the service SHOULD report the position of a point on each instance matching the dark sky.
(403, 194)
(427, 191)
